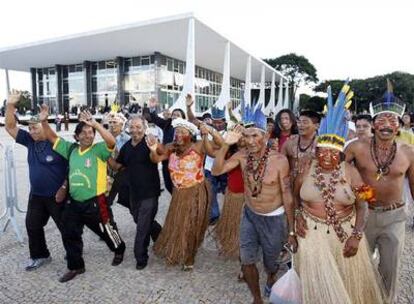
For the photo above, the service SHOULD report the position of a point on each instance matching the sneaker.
(118, 258)
(36, 263)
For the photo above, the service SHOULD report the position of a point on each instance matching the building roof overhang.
(165, 35)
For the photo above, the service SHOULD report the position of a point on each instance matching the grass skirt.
(327, 276)
(185, 224)
(227, 230)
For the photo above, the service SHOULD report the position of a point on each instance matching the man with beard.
(116, 121)
(300, 149)
(267, 197)
(144, 187)
(87, 205)
(47, 174)
(383, 163)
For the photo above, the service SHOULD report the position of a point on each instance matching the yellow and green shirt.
(87, 169)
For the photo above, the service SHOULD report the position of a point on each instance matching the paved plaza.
(214, 280)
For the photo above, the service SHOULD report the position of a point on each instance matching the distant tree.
(25, 102)
(297, 69)
(367, 90)
(314, 103)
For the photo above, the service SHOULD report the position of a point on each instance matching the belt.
(387, 208)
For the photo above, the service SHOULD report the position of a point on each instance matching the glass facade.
(73, 87)
(139, 79)
(95, 84)
(104, 83)
(47, 87)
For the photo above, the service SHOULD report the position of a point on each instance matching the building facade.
(132, 80)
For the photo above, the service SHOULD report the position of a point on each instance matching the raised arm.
(221, 165)
(207, 146)
(49, 133)
(10, 120)
(152, 105)
(109, 139)
(191, 117)
(157, 152)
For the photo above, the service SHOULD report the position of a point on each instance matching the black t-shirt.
(143, 176)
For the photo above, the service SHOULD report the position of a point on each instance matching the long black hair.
(277, 131)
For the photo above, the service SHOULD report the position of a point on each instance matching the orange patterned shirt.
(186, 170)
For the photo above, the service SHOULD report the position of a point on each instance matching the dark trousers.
(166, 175)
(39, 210)
(144, 212)
(120, 187)
(75, 216)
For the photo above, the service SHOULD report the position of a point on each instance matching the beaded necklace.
(328, 193)
(255, 173)
(383, 169)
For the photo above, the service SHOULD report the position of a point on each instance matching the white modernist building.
(166, 58)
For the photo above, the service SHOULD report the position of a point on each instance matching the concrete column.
(87, 83)
(120, 80)
(59, 96)
(33, 73)
(157, 86)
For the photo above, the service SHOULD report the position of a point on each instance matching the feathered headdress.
(334, 126)
(388, 103)
(116, 115)
(216, 113)
(253, 116)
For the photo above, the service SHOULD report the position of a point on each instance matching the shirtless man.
(300, 149)
(383, 163)
(267, 196)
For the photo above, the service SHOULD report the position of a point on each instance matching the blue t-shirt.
(47, 169)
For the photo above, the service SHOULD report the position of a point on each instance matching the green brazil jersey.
(87, 169)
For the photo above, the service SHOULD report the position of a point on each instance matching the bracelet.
(292, 233)
(298, 212)
(357, 234)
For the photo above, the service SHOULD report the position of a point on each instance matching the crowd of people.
(317, 186)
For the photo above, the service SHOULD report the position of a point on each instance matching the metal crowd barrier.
(10, 193)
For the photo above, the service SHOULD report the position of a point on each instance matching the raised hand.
(44, 112)
(232, 137)
(152, 142)
(87, 118)
(14, 97)
(189, 100)
(204, 129)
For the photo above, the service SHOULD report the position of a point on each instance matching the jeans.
(218, 184)
(261, 232)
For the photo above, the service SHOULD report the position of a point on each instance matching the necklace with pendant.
(383, 168)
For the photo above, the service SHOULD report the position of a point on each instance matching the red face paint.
(328, 158)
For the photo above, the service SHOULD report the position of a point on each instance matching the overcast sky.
(341, 39)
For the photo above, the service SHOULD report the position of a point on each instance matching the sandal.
(240, 277)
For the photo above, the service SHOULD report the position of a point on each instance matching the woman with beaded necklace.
(333, 260)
